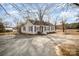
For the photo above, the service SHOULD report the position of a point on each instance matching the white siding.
(46, 29)
(27, 25)
(37, 29)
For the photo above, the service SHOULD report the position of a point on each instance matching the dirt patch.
(67, 49)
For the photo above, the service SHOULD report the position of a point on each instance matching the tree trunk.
(63, 28)
(55, 26)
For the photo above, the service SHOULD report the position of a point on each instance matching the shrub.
(2, 28)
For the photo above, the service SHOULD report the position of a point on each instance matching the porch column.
(33, 29)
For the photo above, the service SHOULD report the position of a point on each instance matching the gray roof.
(37, 22)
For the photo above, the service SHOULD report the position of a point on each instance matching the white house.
(35, 27)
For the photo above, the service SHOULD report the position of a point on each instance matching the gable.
(27, 23)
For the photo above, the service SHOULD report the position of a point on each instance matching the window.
(45, 28)
(24, 28)
(30, 28)
(35, 28)
(48, 28)
(51, 28)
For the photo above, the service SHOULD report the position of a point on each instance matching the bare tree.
(21, 12)
(64, 16)
(41, 10)
(4, 9)
(63, 25)
(77, 4)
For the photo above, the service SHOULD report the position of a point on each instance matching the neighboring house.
(8, 29)
(35, 27)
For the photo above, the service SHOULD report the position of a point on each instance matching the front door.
(41, 29)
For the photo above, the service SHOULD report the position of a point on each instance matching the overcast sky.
(65, 11)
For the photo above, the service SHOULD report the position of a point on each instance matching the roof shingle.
(37, 22)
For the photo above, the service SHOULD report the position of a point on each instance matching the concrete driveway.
(29, 45)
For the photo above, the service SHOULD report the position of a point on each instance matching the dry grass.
(8, 33)
(69, 32)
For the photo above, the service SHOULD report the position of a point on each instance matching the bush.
(39, 32)
(72, 26)
(2, 28)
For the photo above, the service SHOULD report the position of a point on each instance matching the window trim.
(30, 28)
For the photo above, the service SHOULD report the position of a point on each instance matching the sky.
(57, 12)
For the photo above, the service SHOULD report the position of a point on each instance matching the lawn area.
(68, 32)
(8, 33)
